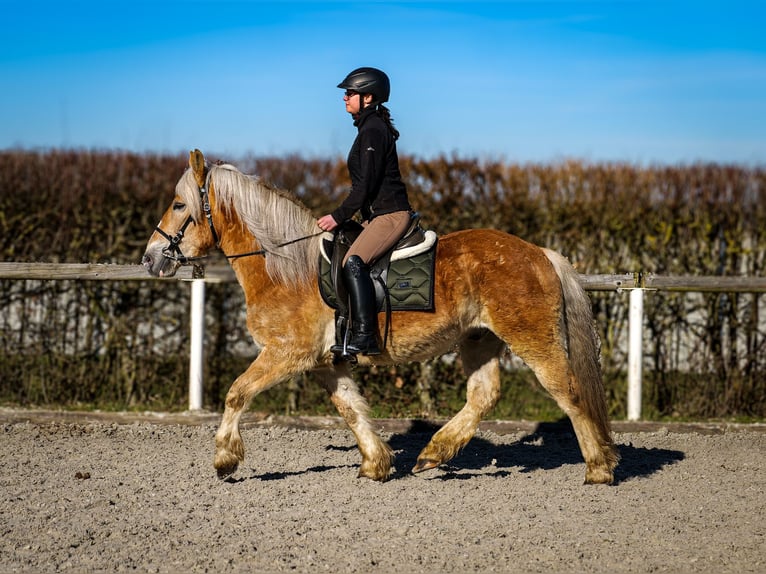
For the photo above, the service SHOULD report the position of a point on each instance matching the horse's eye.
(178, 206)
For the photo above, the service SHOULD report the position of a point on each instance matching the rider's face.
(354, 101)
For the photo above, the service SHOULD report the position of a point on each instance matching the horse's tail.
(581, 340)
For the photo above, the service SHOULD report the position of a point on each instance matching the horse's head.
(183, 235)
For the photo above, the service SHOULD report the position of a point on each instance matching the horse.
(492, 292)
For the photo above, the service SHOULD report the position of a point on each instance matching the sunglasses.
(350, 93)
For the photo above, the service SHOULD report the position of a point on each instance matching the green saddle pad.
(410, 283)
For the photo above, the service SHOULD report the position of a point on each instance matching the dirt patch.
(112, 493)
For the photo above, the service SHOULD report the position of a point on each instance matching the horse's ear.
(197, 164)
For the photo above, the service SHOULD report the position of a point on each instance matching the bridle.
(173, 249)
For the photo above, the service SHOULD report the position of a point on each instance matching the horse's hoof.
(377, 477)
(599, 476)
(379, 472)
(425, 464)
(224, 471)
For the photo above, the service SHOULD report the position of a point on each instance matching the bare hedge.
(125, 344)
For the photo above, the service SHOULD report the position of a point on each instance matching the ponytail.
(385, 115)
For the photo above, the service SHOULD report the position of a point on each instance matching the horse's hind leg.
(480, 352)
(377, 456)
(586, 411)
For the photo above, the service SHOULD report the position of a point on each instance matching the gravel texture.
(100, 496)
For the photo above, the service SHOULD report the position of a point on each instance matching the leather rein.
(173, 249)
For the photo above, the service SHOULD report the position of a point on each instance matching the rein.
(173, 250)
(264, 252)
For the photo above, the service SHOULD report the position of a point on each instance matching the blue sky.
(646, 82)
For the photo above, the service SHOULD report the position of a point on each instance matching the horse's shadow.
(549, 446)
(267, 476)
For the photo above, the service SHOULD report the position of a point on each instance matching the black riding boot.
(364, 315)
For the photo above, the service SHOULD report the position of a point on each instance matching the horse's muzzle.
(159, 265)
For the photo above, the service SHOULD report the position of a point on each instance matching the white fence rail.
(636, 283)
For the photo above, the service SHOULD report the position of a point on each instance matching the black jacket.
(373, 164)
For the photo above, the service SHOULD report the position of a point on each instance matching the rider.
(377, 192)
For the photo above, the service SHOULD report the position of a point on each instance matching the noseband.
(173, 249)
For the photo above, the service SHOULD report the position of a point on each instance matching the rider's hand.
(327, 223)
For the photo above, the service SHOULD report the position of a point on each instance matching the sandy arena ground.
(110, 493)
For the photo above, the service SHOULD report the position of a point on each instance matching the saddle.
(403, 277)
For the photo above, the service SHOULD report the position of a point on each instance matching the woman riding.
(377, 192)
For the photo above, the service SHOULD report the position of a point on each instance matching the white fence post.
(197, 337)
(635, 353)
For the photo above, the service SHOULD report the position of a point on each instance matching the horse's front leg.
(268, 369)
(377, 456)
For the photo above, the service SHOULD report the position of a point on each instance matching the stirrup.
(340, 349)
(344, 356)
(341, 335)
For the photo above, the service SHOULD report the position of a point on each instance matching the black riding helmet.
(368, 81)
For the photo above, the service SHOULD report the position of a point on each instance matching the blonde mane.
(274, 217)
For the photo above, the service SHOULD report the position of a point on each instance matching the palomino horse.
(492, 291)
